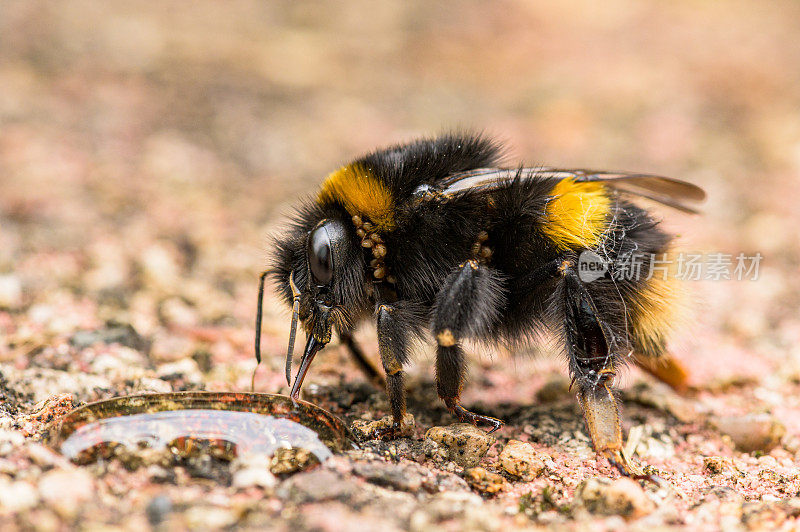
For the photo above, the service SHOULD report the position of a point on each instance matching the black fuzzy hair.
(404, 167)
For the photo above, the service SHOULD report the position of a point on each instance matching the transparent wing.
(666, 190)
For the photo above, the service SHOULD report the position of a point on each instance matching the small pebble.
(158, 509)
(718, 464)
(434, 451)
(520, 459)
(484, 481)
(186, 368)
(119, 333)
(46, 411)
(405, 477)
(291, 460)
(253, 470)
(10, 291)
(765, 515)
(17, 496)
(10, 440)
(160, 267)
(752, 432)
(365, 430)
(66, 490)
(248, 478)
(624, 497)
(450, 504)
(176, 312)
(465, 444)
(318, 485)
(662, 397)
(209, 517)
(554, 390)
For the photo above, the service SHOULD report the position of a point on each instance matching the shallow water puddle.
(223, 425)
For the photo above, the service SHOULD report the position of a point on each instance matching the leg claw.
(386, 433)
(628, 469)
(465, 416)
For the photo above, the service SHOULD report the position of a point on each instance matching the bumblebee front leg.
(466, 306)
(592, 367)
(393, 343)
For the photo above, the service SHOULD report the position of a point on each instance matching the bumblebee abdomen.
(657, 309)
(640, 296)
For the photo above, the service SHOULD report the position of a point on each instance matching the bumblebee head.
(326, 257)
(319, 268)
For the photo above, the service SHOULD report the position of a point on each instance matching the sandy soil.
(148, 152)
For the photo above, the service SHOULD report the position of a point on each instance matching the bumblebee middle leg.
(592, 364)
(466, 306)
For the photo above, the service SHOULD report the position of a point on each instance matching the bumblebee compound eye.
(323, 243)
(320, 256)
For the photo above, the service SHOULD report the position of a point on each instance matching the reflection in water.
(236, 433)
(191, 424)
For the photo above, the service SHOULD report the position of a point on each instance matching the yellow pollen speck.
(445, 338)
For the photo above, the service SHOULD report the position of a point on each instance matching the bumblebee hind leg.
(592, 364)
(466, 306)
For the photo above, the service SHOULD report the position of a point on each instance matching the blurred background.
(148, 150)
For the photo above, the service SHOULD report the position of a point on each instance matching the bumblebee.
(434, 237)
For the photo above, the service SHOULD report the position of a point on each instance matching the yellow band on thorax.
(577, 215)
(361, 193)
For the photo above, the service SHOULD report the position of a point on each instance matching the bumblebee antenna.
(259, 314)
(293, 332)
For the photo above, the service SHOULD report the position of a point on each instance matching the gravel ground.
(147, 152)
